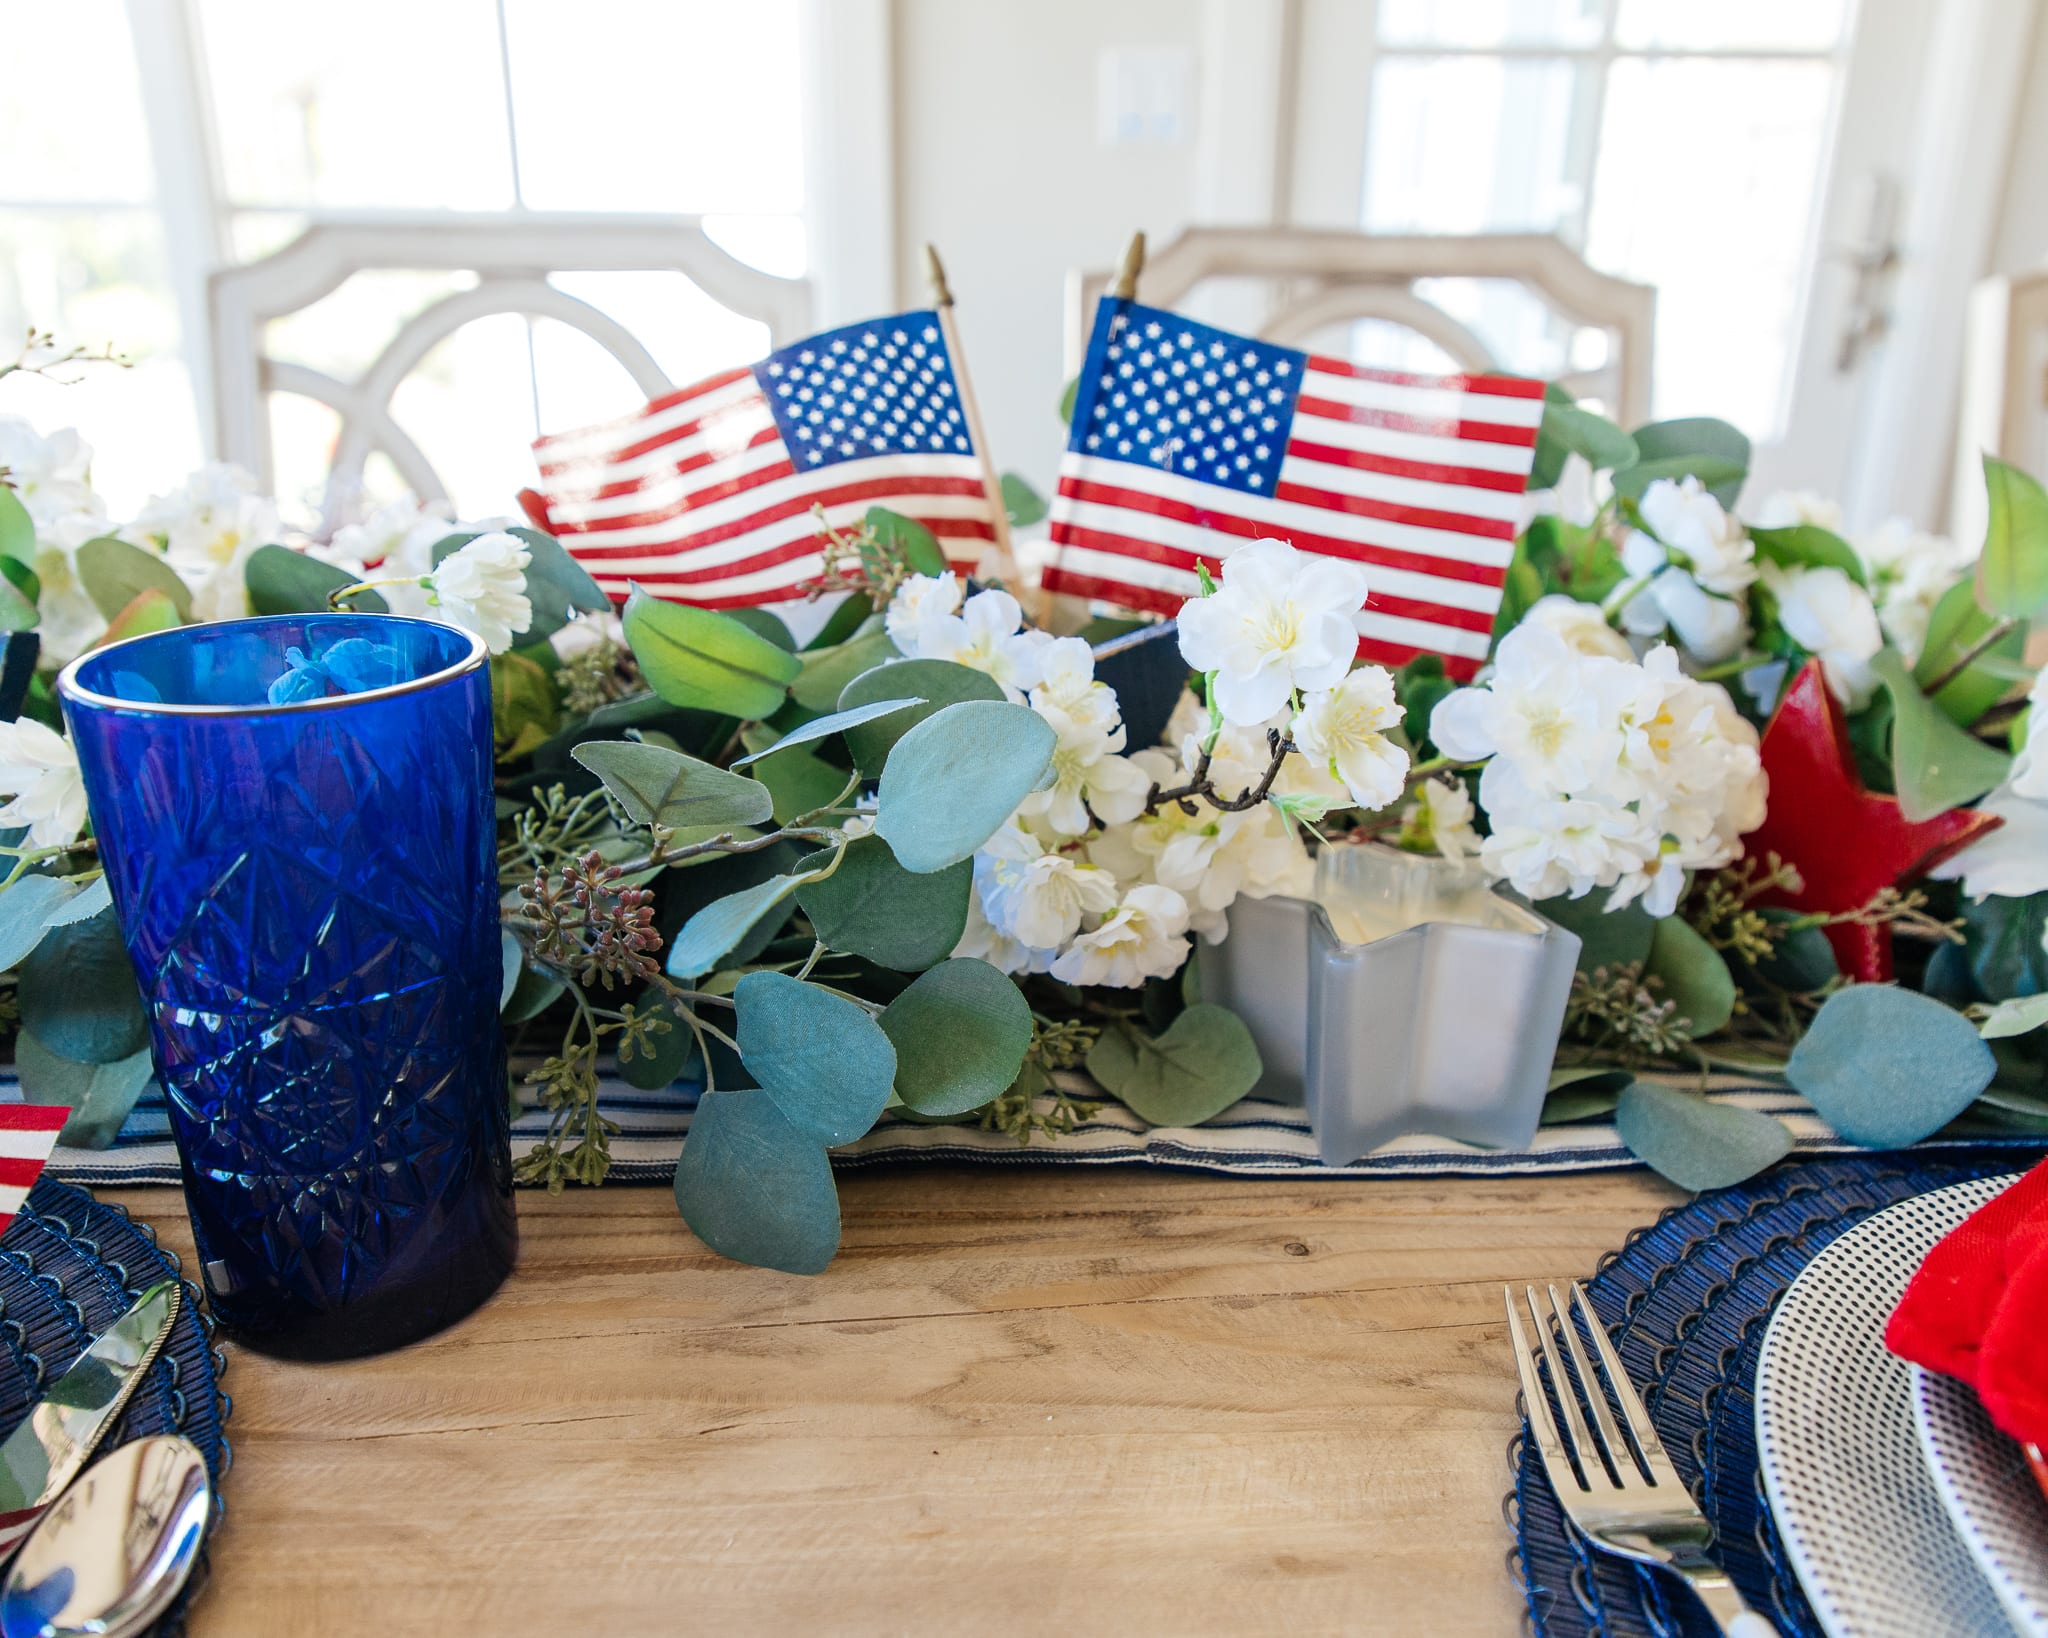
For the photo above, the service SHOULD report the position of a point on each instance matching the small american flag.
(1185, 436)
(705, 496)
(28, 1132)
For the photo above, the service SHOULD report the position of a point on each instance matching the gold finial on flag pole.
(997, 563)
(1126, 286)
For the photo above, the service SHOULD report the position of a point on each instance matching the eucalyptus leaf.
(936, 684)
(706, 661)
(1694, 975)
(2012, 574)
(908, 539)
(824, 1059)
(99, 1095)
(533, 992)
(1802, 960)
(799, 784)
(25, 911)
(17, 528)
(659, 1068)
(764, 624)
(756, 1189)
(1935, 764)
(1024, 504)
(1567, 429)
(558, 586)
(282, 581)
(1581, 1094)
(523, 707)
(1808, 546)
(77, 992)
(873, 908)
(827, 671)
(2021, 1015)
(2004, 937)
(511, 962)
(961, 1032)
(1198, 1068)
(657, 786)
(720, 925)
(1957, 625)
(1887, 1067)
(1694, 1141)
(1720, 478)
(147, 611)
(1607, 938)
(114, 572)
(825, 727)
(84, 904)
(953, 779)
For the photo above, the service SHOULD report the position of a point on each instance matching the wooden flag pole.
(1126, 286)
(999, 563)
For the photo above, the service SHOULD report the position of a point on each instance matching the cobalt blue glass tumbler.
(308, 891)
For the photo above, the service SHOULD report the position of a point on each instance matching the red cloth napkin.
(1978, 1308)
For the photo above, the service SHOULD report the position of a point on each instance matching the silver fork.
(1623, 1495)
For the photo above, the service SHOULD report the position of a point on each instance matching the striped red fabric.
(28, 1132)
(706, 496)
(1187, 439)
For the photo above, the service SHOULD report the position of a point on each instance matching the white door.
(1808, 184)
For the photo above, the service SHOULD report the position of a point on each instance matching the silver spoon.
(112, 1552)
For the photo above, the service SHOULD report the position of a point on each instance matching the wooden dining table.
(1023, 1399)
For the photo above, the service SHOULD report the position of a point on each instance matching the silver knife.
(43, 1455)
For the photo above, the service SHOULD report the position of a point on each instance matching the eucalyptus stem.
(337, 599)
(1200, 784)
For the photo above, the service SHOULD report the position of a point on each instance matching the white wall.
(2021, 240)
(998, 164)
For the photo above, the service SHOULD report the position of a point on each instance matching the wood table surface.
(1036, 1400)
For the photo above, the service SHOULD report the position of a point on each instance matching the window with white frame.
(1607, 122)
(380, 107)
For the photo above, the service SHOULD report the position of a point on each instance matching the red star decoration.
(1846, 841)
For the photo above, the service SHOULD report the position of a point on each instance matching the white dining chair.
(1319, 280)
(511, 259)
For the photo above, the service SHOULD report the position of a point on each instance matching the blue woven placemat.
(70, 1266)
(1256, 1137)
(1687, 1301)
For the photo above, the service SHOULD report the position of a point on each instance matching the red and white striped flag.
(1187, 439)
(705, 496)
(28, 1132)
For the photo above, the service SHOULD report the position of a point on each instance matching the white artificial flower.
(585, 632)
(48, 474)
(1581, 625)
(1344, 730)
(984, 635)
(1006, 954)
(1087, 775)
(1710, 628)
(1691, 530)
(1573, 498)
(1789, 508)
(1066, 680)
(2029, 776)
(1664, 775)
(398, 538)
(213, 521)
(1279, 621)
(1439, 820)
(2010, 862)
(1035, 896)
(1547, 707)
(482, 588)
(1145, 938)
(39, 769)
(1909, 569)
(920, 598)
(1832, 618)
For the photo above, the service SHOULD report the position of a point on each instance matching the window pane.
(469, 407)
(687, 332)
(1490, 22)
(658, 105)
(1709, 175)
(1476, 145)
(96, 280)
(1799, 25)
(345, 330)
(373, 103)
(71, 119)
